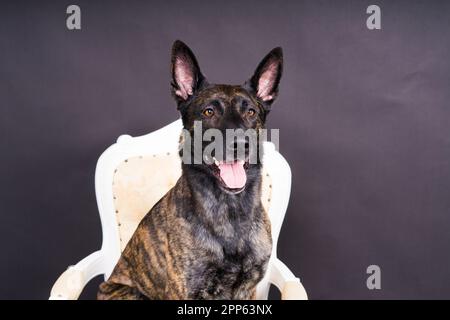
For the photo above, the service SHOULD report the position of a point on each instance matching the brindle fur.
(199, 241)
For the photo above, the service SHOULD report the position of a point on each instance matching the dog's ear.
(264, 82)
(186, 75)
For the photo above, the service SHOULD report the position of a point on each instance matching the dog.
(209, 237)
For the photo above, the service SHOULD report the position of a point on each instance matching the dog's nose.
(238, 148)
(242, 143)
(238, 143)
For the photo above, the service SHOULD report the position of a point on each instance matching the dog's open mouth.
(232, 175)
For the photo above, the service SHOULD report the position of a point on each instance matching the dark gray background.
(364, 118)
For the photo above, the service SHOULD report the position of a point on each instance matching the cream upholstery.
(139, 182)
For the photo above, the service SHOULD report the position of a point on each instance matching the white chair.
(133, 174)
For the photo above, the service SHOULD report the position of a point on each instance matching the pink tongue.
(233, 174)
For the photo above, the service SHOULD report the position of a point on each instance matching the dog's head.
(221, 107)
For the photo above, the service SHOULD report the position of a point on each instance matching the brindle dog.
(209, 236)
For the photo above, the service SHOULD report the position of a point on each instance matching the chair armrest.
(293, 290)
(69, 285)
(71, 282)
(290, 286)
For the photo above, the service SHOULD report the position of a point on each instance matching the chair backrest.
(134, 173)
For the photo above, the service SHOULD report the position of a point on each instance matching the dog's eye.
(208, 112)
(251, 112)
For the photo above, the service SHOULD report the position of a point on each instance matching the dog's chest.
(229, 264)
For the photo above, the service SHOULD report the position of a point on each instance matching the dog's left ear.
(186, 75)
(264, 82)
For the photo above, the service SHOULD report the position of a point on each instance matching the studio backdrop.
(363, 113)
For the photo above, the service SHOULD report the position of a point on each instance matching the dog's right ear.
(186, 75)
